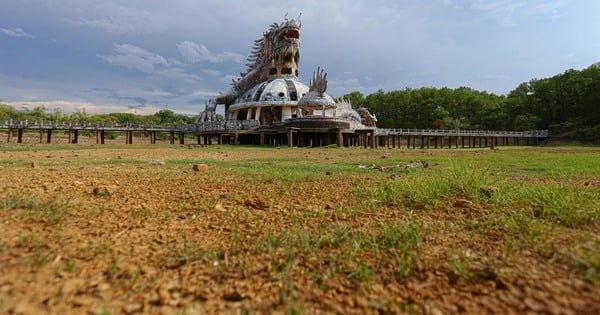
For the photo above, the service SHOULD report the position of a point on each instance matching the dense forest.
(567, 104)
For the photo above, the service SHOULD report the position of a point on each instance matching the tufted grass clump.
(26, 206)
(426, 189)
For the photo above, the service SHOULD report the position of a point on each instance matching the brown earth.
(116, 230)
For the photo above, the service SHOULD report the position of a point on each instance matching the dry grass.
(111, 229)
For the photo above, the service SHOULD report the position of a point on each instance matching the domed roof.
(316, 99)
(276, 90)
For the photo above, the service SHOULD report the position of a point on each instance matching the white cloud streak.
(197, 53)
(115, 18)
(15, 32)
(134, 57)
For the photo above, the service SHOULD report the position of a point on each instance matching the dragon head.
(285, 38)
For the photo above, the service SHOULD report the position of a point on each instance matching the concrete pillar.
(290, 137)
(286, 113)
(257, 114)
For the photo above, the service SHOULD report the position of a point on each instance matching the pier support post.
(373, 144)
(290, 137)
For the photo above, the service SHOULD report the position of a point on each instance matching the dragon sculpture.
(276, 53)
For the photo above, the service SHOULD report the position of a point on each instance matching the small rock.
(103, 286)
(71, 286)
(534, 305)
(219, 207)
(226, 196)
(84, 301)
(462, 203)
(164, 296)
(158, 162)
(329, 173)
(132, 308)
(489, 190)
(102, 191)
(34, 165)
(233, 296)
(200, 167)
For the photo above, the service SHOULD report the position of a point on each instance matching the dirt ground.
(118, 230)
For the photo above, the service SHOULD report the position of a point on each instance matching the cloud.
(116, 19)
(91, 108)
(196, 53)
(15, 32)
(503, 10)
(134, 57)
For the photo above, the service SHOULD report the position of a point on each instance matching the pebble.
(462, 203)
(200, 167)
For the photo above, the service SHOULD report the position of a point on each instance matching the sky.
(141, 56)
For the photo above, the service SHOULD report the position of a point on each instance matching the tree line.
(40, 113)
(567, 104)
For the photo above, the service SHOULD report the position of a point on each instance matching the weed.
(459, 262)
(104, 310)
(40, 257)
(19, 202)
(140, 212)
(54, 212)
(69, 265)
(186, 252)
(360, 271)
(98, 249)
(587, 259)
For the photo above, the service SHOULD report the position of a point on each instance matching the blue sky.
(142, 56)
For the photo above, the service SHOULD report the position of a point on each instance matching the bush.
(589, 134)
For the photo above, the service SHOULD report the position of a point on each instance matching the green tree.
(357, 99)
(165, 116)
(8, 112)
